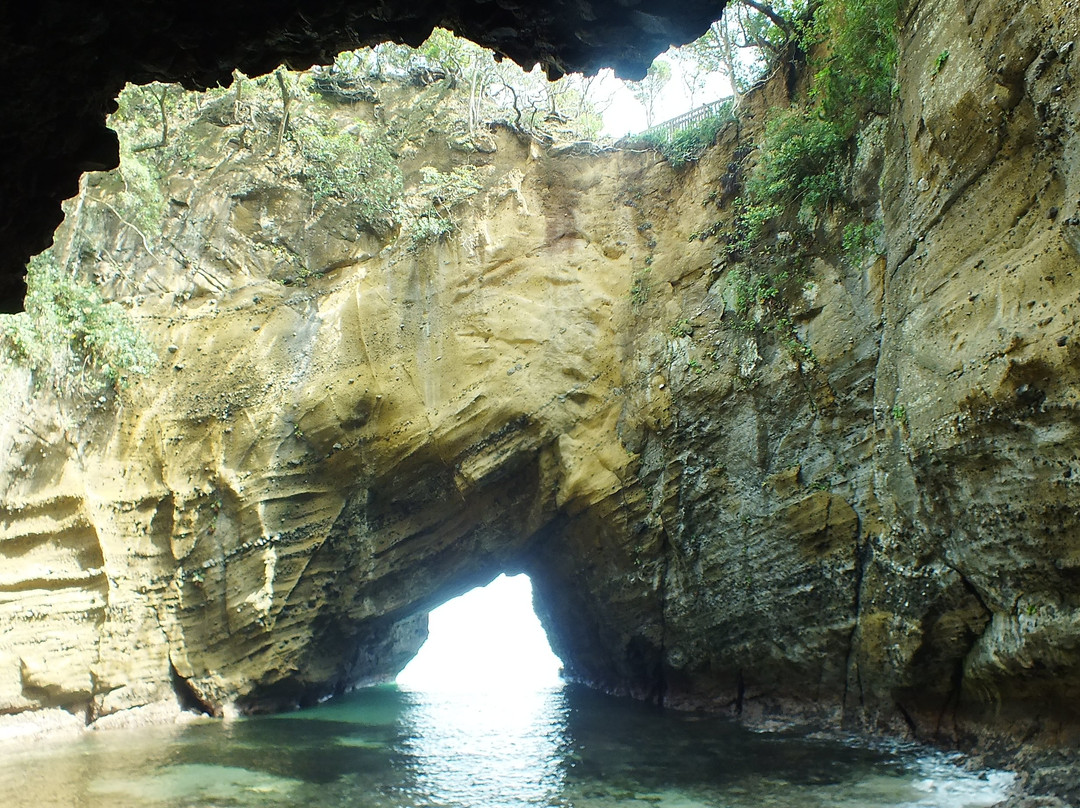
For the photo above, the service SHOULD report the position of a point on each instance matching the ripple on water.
(559, 748)
(199, 781)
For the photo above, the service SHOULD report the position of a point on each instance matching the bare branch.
(286, 101)
(164, 121)
(777, 20)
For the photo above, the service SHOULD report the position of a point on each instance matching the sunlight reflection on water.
(498, 750)
(560, 748)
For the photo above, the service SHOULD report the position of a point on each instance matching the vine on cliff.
(439, 194)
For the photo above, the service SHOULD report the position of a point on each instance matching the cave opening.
(488, 639)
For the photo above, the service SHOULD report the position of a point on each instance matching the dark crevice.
(186, 695)
(667, 548)
(863, 555)
(661, 671)
(908, 720)
(956, 691)
(951, 705)
(971, 589)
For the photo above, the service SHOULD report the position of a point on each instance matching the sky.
(627, 116)
(487, 639)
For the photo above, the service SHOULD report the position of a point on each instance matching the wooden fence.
(688, 119)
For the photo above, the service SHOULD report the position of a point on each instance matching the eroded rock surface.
(881, 532)
(68, 61)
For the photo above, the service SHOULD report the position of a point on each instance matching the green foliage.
(799, 350)
(639, 289)
(447, 190)
(352, 165)
(450, 52)
(899, 414)
(441, 193)
(857, 75)
(490, 90)
(682, 328)
(141, 202)
(68, 332)
(687, 145)
(138, 116)
(750, 289)
(744, 45)
(761, 295)
(802, 162)
(860, 238)
(802, 167)
(429, 228)
(751, 220)
(939, 63)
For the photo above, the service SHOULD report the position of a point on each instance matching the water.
(562, 747)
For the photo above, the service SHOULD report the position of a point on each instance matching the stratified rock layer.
(882, 531)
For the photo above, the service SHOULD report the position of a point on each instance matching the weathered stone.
(67, 62)
(882, 535)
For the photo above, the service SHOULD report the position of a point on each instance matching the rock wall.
(316, 460)
(53, 111)
(979, 345)
(880, 532)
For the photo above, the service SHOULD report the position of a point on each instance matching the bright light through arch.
(487, 639)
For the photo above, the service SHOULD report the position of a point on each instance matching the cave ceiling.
(65, 61)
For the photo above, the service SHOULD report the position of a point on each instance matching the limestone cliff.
(346, 430)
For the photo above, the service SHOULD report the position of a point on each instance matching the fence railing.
(688, 119)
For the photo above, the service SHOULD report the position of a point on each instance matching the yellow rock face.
(310, 465)
(881, 529)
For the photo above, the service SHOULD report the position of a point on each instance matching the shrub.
(860, 238)
(69, 332)
(429, 228)
(800, 174)
(440, 193)
(750, 290)
(803, 161)
(857, 75)
(352, 165)
(687, 145)
(639, 289)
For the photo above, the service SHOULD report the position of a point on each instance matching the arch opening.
(486, 639)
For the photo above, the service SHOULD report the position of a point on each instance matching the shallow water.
(565, 747)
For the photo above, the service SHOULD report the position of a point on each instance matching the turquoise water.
(565, 747)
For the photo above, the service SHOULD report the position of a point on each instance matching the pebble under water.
(387, 747)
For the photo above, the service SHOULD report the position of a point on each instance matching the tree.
(749, 39)
(286, 103)
(694, 75)
(648, 90)
(491, 89)
(160, 92)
